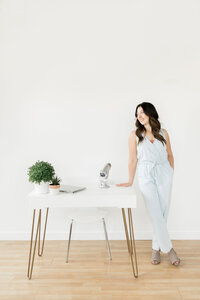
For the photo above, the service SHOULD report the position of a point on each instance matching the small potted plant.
(41, 173)
(55, 185)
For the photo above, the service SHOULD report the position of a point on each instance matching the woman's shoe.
(155, 259)
(175, 261)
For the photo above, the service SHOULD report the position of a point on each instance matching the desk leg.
(32, 256)
(131, 240)
(40, 251)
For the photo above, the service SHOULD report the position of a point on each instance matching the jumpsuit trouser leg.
(157, 198)
(165, 205)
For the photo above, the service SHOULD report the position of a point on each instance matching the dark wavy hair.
(150, 111)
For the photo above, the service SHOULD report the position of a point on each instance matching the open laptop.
(71, 188)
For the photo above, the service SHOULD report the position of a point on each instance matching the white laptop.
(71, 188)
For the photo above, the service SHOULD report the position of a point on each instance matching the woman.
(150, 149)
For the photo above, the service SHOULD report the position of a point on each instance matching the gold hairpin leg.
(126, 230)
(32, 256)
(40, 251)
(30, 252)
(130, 240)
(37, 236)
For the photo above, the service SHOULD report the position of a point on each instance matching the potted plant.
(55, 185)
(41, 173)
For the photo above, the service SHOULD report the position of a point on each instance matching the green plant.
(55, 181)
(41, 171)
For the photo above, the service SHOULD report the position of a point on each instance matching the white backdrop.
(72, 73)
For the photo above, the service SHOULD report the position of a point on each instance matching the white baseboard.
(120, 235)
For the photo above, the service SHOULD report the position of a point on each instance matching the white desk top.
(93, 196)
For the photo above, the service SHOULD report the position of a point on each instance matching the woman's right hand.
(126, 184)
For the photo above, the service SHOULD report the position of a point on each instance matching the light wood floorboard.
(90, 275)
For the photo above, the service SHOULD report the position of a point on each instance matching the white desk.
(93, 196)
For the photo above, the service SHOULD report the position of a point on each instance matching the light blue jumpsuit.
(155, 177)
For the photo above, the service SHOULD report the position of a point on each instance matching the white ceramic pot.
(54, 189)
(42, 188)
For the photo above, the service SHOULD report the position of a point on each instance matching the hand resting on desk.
(126, 184)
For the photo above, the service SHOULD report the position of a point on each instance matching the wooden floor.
(90, 275)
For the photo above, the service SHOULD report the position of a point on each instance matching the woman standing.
(150, 149)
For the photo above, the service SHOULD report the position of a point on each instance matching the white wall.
(72, 73)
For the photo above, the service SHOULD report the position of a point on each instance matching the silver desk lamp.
(104, 176)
